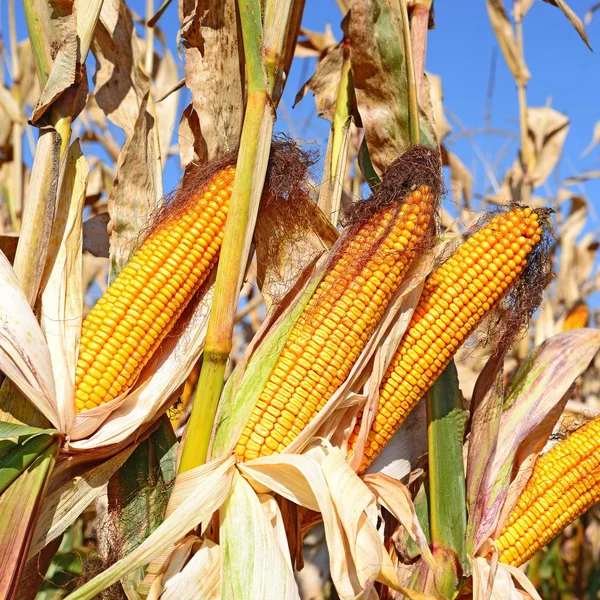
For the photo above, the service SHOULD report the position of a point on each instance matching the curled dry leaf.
(315, 42)
(460, 178)
(61, 297)
(325, 82)
(214, 73)
(380, 78)
(573, 19)
(595, 139)
(506, 39)
(24, 354)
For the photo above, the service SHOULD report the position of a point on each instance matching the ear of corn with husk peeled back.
(338, 320)
(455, 299)
(123, 330)
(564, 484)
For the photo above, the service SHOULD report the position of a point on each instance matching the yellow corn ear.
(455, 298)
(578, 317)
(336, 323)
(129, 321)
(564, 484)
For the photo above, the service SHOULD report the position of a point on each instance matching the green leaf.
(19, 507)
(447, 497)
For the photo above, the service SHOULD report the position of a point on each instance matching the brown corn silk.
(564, 484)
(383, 237)
(455, 299)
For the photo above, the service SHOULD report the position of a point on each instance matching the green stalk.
(447, 497)
(231, 261)
(413, 103)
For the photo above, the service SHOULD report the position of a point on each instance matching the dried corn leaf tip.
(365, 269)
(455, 299)
(127, 324)
(564, 484)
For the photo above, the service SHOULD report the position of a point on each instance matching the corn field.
(346, 350)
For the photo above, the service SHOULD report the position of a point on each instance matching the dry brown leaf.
(214, 73)
(325, 82)
(190, 140)
(29, 82)
(506, 39)
(121, 84)
(95, 235)
(137, 189)
(595, 139)
(316, 43)
(583, 177)
(587, 19)
(380, 78)
(573, 19)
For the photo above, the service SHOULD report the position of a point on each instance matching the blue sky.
(460, 49)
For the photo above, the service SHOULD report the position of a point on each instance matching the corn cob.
(129, 321)
(564, 484)
(455, 298)
(336, 323)
(577, 317)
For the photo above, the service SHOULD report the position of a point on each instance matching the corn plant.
(193, 384)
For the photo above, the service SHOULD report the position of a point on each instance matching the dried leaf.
(442, 126)
(506, 39)
(316, 43)
(95, 235)
(582, 178)
(573, 18)
(258, 568)
(40, 204)
(214, 74)
(166, 110)
(61, 297)
(200, 578)
(380, 78)
(121, 86)
(8, 245)
(24, 354)
(595, 140)
(137, 189)
(63, 505)
(325, 82)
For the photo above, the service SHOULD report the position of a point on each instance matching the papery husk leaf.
(496, 581)
(398, 500)
(486, 410)
(200, 578)
(212, 488)
(214, 73)
(62, 296)
(346, 504)
(24, 353)
(573, 19)
(158, 381)
(539, 385)
(508, 44)
(180, 555)
(19, 508)
(38, 216)
(63, 505)
(256, 568)
(595, 137)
